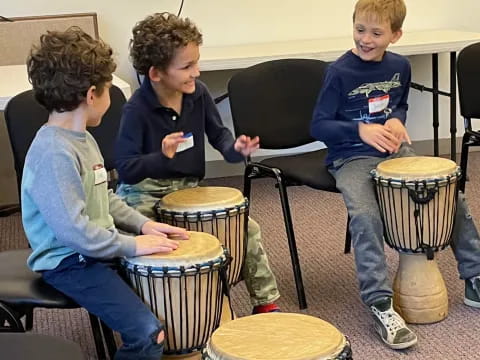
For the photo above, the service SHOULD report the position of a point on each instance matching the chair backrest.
(275, 100)
(24, 116)
(468, 72)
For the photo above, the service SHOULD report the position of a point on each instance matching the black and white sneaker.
(390, 325)
(472, 292)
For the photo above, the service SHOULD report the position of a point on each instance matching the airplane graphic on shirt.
(384, 86)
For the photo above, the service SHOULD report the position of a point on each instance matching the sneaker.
(390, 325)
(472, 292)
(267, 308)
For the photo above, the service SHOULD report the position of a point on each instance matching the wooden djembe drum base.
(419, 292)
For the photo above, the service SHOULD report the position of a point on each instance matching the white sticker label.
(378, 104)
(100, 174)
(187, 144)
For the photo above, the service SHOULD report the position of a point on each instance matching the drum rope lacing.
(181, 340)
(421, 199)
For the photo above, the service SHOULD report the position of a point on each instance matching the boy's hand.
(171, 142)
(246, 145)
(151, 244)
(398, 130)
(378, 136)
(164, 230)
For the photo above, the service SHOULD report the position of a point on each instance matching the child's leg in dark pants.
(100, 290)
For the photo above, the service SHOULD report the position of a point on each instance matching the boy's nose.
(366, 38)
(196, 71)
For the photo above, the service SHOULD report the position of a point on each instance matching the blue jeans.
(366, 227)
(100, 290)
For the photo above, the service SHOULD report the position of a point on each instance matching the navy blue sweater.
(145, 122)
(351, 85)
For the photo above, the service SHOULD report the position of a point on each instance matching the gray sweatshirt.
(66, 206)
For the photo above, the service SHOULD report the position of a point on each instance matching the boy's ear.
(396, 36)
(154, 74)
(90, 94)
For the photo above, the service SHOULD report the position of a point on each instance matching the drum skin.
(275, 336)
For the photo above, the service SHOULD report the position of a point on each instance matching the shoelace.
(393, 322)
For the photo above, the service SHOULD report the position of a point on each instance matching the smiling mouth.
(366, 49)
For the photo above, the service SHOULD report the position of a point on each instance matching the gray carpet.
(329, 276)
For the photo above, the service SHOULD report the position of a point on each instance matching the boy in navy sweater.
(154, 157)
(360, 115)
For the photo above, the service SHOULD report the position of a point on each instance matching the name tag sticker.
(187, 144)
(378, 104)
(100, 174)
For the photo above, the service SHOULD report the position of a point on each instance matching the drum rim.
(194, 216)
(179, 207)
(146, 270)
(415, 183)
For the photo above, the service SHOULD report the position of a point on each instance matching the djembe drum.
(184, 289)
(417, 198)
(220, 211)
(275, 336)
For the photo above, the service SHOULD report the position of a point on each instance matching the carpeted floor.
(329, 276)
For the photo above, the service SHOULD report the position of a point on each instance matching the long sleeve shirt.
(145, 122)
(355, 90)
(66, 207)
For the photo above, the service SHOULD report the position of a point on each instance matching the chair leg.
(464, 162)
(97, 337)
(29, 319)
(10, 321)
(247, 181)
(291, 241)
(348, 238)
(109, 339)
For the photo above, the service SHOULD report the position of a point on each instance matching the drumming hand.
(170, 143)
(378, 136)
(246, 145)
(161, 229)
(398, 130)
(151, 244)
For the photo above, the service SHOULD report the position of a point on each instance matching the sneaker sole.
(471, 303)
(397, 346)
(400, 346)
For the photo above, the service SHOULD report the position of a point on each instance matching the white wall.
(228, 22)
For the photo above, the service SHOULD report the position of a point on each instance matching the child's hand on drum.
(164, 230)
(379, 137)
(151, 244)
(246, 145)
(398, 130)
(170, 143)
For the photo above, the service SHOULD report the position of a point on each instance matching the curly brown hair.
(65, 65)
(393, 11)
(157, 37)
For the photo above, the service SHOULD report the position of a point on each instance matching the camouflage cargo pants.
(256, 272)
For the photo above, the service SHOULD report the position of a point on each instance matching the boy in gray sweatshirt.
(69, 216)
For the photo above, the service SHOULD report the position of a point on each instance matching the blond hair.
(392, 11)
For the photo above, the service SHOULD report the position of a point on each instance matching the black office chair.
(38, 347)
(22, 290)
(275, 100)
(468, 71)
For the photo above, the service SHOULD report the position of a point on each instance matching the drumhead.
(276, 336)
(202, 198)
(198, 249)
(416, 168)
